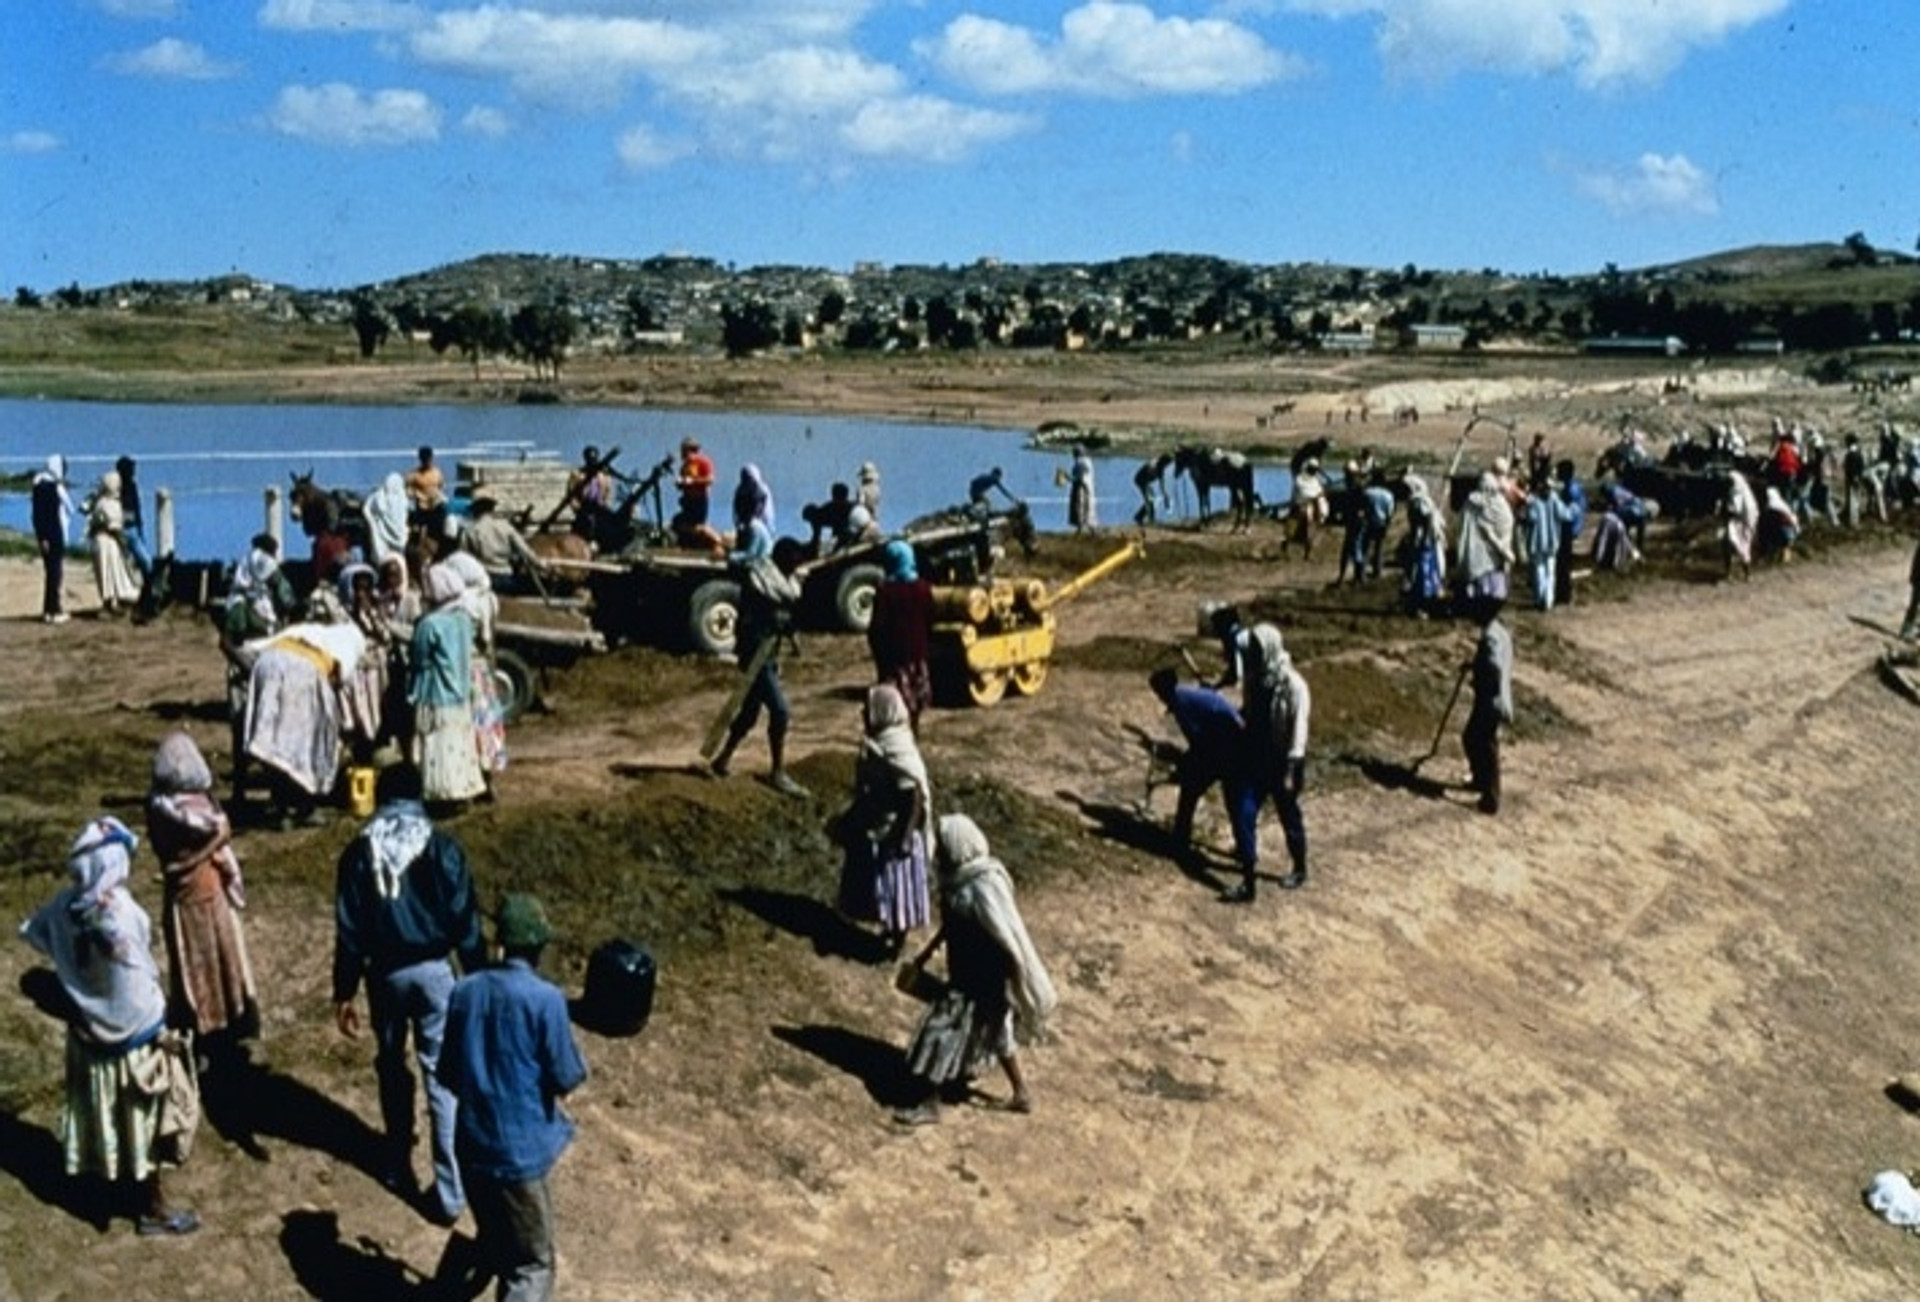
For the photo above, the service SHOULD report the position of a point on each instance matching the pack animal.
(327, 510)
(1211, 468)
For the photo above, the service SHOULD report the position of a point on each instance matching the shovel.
(1445, 715)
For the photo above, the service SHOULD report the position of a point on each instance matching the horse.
(1210, 468)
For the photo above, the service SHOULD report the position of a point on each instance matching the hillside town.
(545, 310)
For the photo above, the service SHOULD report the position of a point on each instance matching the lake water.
(218, 461)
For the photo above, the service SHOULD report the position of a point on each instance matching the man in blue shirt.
(1216, 752)
(509, 1057)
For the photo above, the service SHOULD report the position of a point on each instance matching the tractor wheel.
(853, 597)
(1028, 677)
(713, 617)
(513, 683)
(987, 687)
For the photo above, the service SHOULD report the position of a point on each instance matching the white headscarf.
(100, 939)
(56, 474)
(890, 739)
(396, 838)
(442, 586)
(253, 585)
(979, 886)
(386, 511)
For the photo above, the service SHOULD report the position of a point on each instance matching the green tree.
(25, 297)
(473, 331)
(747, 330)
(370, 326)
(540, 333)
(641, 316)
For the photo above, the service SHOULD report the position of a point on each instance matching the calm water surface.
(218, 461)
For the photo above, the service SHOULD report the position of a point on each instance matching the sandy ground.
(1627, 1040)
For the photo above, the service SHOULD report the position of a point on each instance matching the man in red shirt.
(696, 491)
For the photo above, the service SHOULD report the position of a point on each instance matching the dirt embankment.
(1624, 1041)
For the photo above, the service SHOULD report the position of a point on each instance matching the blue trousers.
(413, 1001)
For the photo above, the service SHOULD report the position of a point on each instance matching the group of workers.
(491, 1040)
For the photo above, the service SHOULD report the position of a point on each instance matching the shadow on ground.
(879, 1066)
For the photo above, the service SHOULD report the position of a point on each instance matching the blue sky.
(329, 143)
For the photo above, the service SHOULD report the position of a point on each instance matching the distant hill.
(1816, 297)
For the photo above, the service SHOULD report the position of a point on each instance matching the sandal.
(170, 1224)
(926, 1114)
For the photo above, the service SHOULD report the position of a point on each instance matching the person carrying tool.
(1491, 671)
(1278, 706)
(768, 592)
(1216, 753)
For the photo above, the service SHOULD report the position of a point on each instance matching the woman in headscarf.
(1485, 547)
(1278, 706)
(753, 500)
(293, 713)
(52, 521)
(210, 987)
(354, 600)
(998, 992)
(446, 748)
(106, 534)
(483, 608)
(386, 509)
(101, 944)
(1080, 501)
(901, 628)
(1742, 511)
(1426, 544)
(259, 596)
(884, 876)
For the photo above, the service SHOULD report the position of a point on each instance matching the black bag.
(619, 995)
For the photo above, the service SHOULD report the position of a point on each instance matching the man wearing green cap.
(509, 1056)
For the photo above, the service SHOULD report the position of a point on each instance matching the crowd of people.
(385, 663)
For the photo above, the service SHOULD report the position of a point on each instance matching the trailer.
(690, 599)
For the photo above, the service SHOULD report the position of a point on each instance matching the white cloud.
(753, 23)
(642, 149)
(1108, 48)
(1654, 185)
(140, 8)
(924, 128)
(573, 59)
(32, 142)
(171, 57)
(1599, 41)
(337, 114)
(481, 120)
(340, 15)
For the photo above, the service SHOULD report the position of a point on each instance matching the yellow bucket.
(360, 791)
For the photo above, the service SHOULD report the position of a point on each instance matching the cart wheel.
(1028, 677)
(987, 687)
(853, 597)
(513, 682)
(713, 617)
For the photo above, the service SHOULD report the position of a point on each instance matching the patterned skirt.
(112, 1113)
(446, 750)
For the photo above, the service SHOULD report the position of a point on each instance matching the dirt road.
(1626, 1040)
